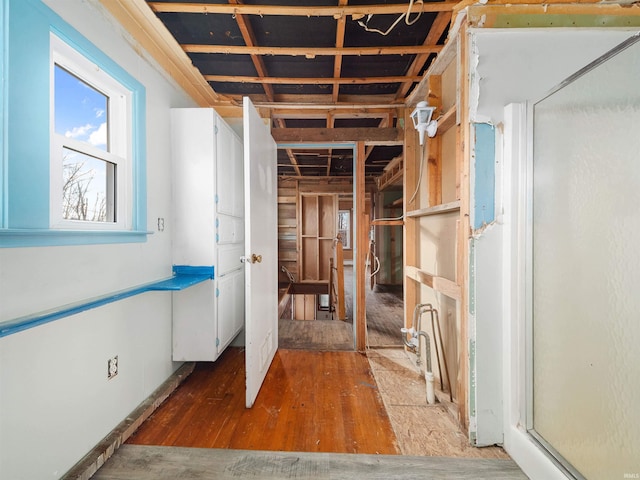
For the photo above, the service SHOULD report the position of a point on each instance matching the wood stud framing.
(362, 236)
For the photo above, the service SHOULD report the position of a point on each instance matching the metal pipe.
(444, 358)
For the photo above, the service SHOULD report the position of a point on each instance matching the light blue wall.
(53, 382)
(28, 111)
(484, 175)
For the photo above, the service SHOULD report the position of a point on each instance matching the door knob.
(256, 258)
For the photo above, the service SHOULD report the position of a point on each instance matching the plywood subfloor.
(169, 463)
(310, 401)
(420, 428)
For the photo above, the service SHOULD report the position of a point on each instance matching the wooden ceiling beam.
(337, 61)
(309, 80)
(150, 33)
(287, 10)
(336, 113)
(311, 52)
(441, 22)
(250, 40)
(368, 135)
(331, 119)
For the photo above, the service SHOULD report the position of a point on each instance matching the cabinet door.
(193, 179)
(230, 307)
(226, 169)
(238, 178)
(194, 323)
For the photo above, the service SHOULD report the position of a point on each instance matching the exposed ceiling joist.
(311, 52)
(337, 62)
(370, 136)
(310, 81)
(301, 11)
(438, 27)
(337, 113)
(337, 73)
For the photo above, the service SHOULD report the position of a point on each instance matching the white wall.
(511, 66)
(55, 400)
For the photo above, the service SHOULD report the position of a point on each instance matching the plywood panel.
(309, 215)
(310, 259)
(327, 216)
(448, 166)
(326, 252)
(449, 87)
(304, 307)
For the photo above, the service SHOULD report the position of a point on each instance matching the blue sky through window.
(80, 113)
(80, 110)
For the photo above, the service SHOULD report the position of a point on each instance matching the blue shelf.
(185, 276)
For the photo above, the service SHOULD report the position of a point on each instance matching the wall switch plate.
(112, 367)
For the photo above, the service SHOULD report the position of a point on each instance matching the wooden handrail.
(340, 300)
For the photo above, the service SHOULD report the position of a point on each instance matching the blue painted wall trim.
(485, 175)
(183, 278)
(15, 237)
(25, 160)
(4, 33)
(207, 270)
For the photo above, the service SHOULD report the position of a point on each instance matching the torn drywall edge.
(471, 329)
(474, 78)
(484, 175)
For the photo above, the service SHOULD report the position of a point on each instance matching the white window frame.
(119, 141)
(346, 242)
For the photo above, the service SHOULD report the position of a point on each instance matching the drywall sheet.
(515, 65)
(585, 303)
(484, 175)
(485, 320)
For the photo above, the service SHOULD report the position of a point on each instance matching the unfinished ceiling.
(316, 65)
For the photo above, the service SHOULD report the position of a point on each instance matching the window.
(344, 227)
(33, 157)
(90, 144)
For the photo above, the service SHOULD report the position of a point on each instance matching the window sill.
(27, 237)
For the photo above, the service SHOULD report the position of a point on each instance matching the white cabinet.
(208, 230)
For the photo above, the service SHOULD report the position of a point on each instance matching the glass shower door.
(584, 295)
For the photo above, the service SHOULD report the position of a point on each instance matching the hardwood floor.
(310, 402)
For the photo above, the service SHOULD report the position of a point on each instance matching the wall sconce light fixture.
(422, 122)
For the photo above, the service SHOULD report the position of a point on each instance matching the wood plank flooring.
(169, 463)
(310, 401)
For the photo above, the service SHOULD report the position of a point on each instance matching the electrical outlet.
(112, 367)
(160, 224)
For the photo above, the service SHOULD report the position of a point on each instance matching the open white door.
(261, 249)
